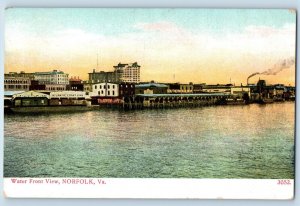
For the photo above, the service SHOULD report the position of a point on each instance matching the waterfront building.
(129, 72)
(177, 88)
(218, 88)
(261, 85)
(54, 77)
(105, 90)
(16, 83)
(262, 91)
(290, 92)
(30, 98)
(67, 98)
(63, 98)
(198, 88)
(151, 88)
(75, 84)
(126, 89)
(277, 92)
(105, 93)
(240, 91)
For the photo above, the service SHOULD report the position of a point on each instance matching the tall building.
(129, 72)
(53, 77)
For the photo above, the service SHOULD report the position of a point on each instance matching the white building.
(54, 77)
(105, 90)
(129, 72)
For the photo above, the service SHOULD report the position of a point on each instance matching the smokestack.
(252, 75)
(284, 64)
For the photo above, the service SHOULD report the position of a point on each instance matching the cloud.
(266, 31)
(158, 46)
(167, 30)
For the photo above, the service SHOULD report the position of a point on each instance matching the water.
(251, 141)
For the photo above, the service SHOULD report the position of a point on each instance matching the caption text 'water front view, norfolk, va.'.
(146, 93)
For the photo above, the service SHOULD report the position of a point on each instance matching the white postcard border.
(158, 188)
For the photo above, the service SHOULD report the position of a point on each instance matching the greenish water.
(252, 141)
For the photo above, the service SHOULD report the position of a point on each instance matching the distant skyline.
(171, 45)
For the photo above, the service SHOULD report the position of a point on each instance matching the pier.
(141, 101)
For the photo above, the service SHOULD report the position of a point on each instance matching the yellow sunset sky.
(171, 45)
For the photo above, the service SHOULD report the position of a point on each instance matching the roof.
(151, 85)
(47, 73)
(31, 94)
(219, 86)
(11, 93)
(134, 64)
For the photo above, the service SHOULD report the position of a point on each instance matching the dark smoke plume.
(286, 63)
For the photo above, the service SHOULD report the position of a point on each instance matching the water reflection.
(251, 141)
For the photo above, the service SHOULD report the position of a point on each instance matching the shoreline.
(117, 107)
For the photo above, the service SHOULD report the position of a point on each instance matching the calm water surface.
(252, 141)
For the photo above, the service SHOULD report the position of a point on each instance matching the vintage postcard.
(149, 103)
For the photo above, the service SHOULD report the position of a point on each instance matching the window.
(108, 86)
(98, 92)
(108, 93)
(113, 93)
(113, 86)
(101, 91)
(100, 87)
(95, 86)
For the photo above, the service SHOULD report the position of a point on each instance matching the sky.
(171, 45)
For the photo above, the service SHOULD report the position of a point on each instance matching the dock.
(141, 101)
